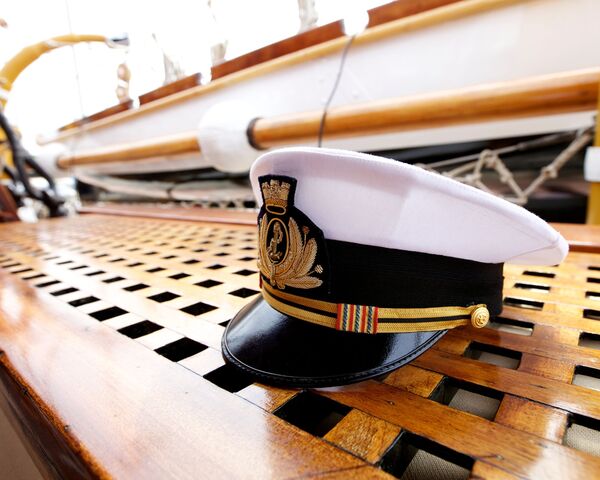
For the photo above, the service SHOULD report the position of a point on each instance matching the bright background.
(73, 82)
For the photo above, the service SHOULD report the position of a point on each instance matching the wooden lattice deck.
(110, 333)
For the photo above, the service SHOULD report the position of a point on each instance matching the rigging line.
(75, 64)
(334, 89)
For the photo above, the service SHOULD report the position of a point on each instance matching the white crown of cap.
(360, 198)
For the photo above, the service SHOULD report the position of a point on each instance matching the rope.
(473, 166)
(334, 89)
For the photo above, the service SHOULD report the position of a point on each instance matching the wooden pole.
(134, 151)
(593, 211)
(545, 95)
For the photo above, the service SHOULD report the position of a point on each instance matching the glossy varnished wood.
(543, 95)
(377, 16)
(96, 403)
(170, 88)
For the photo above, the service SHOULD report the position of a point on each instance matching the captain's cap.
(366, 262)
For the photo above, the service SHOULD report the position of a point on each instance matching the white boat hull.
(519, 40)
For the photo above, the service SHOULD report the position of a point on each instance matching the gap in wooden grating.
(179, 276)
(591, 314)
(589, 340)
(94, 273)
(140, 329)
(536, 287)
(245, 272)
(523, 303)
(64, 291)
(155, 270)
(414, 457)
(230, 379)
(502, 357)
(587, 377)
(83, 301)
(198, 308)
(533, 273)
(468, 397)
(113, 279)
(47, 284)
(33, 277)
(312, 413)
(163, 297)
(209, 283)
(107, 313)
(136, 287)
(511, 326)
(583, 434)
(592, 295)
(22, 270)
(78, 267)
(180, 349)
(243, 292)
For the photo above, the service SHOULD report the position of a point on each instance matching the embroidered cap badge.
(288, 246)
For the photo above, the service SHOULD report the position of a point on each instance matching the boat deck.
(110, 330)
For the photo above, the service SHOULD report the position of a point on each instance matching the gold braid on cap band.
(367, 319)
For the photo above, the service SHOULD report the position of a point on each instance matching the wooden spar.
(544, 95)
(593, 210)
(133, 151)
(549, 94)
(402, 26)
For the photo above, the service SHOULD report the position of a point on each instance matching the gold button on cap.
(480, 317)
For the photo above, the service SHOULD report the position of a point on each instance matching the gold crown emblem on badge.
(276, 195)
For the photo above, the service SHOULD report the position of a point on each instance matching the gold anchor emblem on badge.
(286, 255)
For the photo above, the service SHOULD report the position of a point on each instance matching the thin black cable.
(21, 160)
(334, 89)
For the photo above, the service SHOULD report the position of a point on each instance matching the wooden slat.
(572, 398)
(510, 450)
(532, 417)
(364, 436)
(580, 355)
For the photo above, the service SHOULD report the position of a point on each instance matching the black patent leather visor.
(281, 350)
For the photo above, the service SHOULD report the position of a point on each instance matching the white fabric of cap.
(365, 199)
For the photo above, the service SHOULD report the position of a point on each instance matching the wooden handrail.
(133, 151)
(544, 95)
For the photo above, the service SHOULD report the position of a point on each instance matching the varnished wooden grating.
(486, 403)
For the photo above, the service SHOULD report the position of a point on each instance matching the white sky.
(69, 83)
